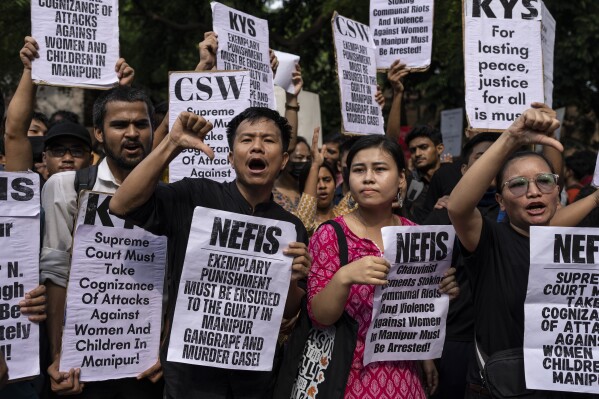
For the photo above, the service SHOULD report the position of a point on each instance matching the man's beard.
(122, 162)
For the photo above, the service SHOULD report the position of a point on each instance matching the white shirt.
(59, 201)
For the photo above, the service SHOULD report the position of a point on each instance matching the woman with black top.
(498, 253)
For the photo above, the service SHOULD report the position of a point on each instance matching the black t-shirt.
(498, 273)
(169, 212)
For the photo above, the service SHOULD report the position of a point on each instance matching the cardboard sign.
(232, 291)
(19, 270)
(243, 44)
(283, 76)
(114, 296)
(78, 42)
(218, 97)
(561, 312)
(452, 130)
(503, 61)
(402, 29)
(409, 313)
(355, 56)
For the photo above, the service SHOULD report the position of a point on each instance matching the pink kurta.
(380, 380)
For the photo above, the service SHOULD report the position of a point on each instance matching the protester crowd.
(492, 194)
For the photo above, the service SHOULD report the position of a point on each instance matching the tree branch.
(300, 39)
(170, 23)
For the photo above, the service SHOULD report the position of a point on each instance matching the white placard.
(243, 44)
(561, 312)
(409, 313)
(218, 97)
(504, 70)
(355, 56)
(596, 173)
(402, 29)
(452, 130)
(114, 297)
(78, 42)
(513, 9)
(548, 26)
(232, 291)
(286, 67)
(19, 270)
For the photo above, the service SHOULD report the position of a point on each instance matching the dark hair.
(581, 163)
(64, 115)
(485, 137)
(42, 118)
(333, 138)
(254, 114)
(376, 141)
(425, 131)
(120, 93)
(306, 171)
(301, 139)
(520, 154)
(347, 144)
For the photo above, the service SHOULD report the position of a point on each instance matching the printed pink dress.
(379, 380)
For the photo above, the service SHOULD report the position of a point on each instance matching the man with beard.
(426, 146)
(122, 124)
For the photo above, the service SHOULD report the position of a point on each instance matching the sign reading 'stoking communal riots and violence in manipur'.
(78, 42)
(561, 312)
(19, 270)
(243, 44)
(409, 313)
(218, 97)
(356, 69)
(232, 291)
(402, 29)
(503, 61)
(114, 297)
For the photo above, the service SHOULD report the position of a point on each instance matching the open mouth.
(132, 146)
(323, 196)
(257, 165)
(535, 208)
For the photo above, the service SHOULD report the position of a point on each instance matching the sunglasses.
(76, 152)
(545, 182)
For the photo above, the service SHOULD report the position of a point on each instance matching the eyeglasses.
(545, 182)
(75, 152)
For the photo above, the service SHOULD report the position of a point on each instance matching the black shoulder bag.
(317, 361)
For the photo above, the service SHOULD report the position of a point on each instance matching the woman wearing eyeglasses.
(498, 253)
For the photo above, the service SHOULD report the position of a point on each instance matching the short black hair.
(581, 163)
(376, 141)
(484, 137)
(120, 93)
(64, 115)
(520, 154)
(425, 131)
(333, 138)
(347, 144)
(254, 114)
(42, 118)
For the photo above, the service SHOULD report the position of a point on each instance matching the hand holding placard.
(207, 49)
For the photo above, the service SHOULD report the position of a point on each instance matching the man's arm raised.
(19, 156)
(188, 132)
(207, 49)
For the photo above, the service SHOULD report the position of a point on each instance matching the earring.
(399, 198)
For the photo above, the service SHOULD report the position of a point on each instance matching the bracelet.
(292, 107)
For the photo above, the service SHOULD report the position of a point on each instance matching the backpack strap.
(86, 178)
(341, 241)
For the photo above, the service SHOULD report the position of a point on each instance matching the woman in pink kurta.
(376, 171)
